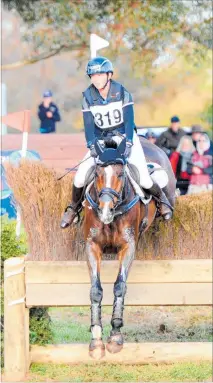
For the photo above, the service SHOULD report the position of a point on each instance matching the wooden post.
(16, 321)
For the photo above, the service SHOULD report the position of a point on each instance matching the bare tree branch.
(42, 56)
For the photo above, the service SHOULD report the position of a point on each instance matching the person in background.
(200, 167)
(169, 140)
(150, 136)
(197, 131)
(48, 113)
(179, 160)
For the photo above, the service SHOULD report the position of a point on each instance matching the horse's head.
(110, 179)
(109, 187)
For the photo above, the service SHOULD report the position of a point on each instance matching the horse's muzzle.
(106, 212)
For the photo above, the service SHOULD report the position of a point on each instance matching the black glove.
(128, 149)
(93, 152)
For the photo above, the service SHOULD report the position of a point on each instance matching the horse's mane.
(109, 143)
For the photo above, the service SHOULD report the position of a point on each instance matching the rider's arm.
(42, 112)
(128, 115)
(89, 125)
(56, 115)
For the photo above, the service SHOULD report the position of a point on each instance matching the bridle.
(121, 206)
(111, 193)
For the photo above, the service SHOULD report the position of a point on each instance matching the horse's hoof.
(97, 349)
(115, 343)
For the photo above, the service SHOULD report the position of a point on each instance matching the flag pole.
(23, 155)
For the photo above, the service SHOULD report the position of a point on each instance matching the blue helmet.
(47, 93)
(99, 65)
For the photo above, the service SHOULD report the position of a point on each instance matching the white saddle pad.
(158, 174)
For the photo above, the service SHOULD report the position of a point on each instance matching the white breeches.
(136, 158)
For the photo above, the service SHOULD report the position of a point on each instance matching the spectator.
(179, 160)
(48, 113)
(200, 167)
(169, 140)
(150, 136)
(197, 131)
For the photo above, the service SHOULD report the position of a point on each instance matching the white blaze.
(109, 173)
(105, 211)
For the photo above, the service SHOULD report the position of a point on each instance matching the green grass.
(184, 372)
(72, 325)
(69, 332)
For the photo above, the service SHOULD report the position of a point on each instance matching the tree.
(146, 29)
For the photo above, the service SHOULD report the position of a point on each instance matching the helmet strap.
(106, 82)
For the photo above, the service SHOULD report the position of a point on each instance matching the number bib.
(108, 116)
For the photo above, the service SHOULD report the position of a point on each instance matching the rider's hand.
(93, 152)
(128, 149)
(49, 114)
(196, 170)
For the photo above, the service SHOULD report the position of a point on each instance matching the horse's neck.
(128, 192)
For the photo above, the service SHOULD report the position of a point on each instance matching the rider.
(108, 111)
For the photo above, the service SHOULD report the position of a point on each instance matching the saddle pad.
(138, 189)
(158, 174)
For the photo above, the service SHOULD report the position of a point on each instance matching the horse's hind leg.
(96, 347)
(126, 256)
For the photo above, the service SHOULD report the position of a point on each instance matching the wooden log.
(132, 353)
(16, 321)
(147, 294)
(194, 270)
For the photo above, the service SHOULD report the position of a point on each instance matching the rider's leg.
(78, 185)
(137, 158)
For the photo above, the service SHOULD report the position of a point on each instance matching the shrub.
(11, 246)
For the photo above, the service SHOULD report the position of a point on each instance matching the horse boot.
(165, 207)
(72, 210)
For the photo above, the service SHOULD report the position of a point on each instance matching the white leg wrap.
(96, 332)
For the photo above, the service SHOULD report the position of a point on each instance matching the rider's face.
(99, 80)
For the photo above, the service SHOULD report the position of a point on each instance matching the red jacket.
(175, 160)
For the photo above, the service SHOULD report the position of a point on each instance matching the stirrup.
(69, 207)
(169, 214)
(77, 212)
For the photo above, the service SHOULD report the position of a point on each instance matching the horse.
(114, 217)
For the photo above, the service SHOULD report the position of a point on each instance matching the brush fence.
(28, 284)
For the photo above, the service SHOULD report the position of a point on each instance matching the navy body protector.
(93, 97)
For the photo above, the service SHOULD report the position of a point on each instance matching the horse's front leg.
(96, 347)
(126, 256)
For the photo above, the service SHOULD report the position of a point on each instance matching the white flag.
(97, 43)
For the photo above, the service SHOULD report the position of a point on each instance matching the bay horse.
(114, 217)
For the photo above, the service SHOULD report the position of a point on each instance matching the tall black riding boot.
(72, 210)
(165, 207)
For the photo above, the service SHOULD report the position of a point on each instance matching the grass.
(69, 332)
(141, 324)
(71, 324)
(184, 372)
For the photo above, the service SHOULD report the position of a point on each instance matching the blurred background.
(161, 52)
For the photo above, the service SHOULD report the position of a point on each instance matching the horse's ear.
(122, 146)
(99, 149)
